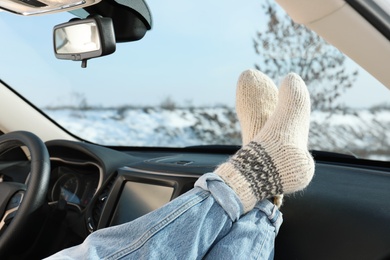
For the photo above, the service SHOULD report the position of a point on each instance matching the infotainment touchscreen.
(138, 199)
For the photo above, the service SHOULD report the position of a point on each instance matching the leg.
(284, 136)
(276, 161)
(252, 236)
(256, 100)
(185, 228)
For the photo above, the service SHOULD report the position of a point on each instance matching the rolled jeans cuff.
(222, 194)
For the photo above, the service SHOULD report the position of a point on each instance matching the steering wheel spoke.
(19, 201)
(11, 196)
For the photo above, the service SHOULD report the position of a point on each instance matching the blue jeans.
(204, 223)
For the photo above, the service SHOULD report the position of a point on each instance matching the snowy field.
(362, 133)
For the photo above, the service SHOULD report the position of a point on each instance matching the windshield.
(176, 86)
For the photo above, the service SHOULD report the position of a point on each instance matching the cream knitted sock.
(276, 161)
(256, 99)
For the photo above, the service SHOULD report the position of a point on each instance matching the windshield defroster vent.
(185, 162)
(181, 162)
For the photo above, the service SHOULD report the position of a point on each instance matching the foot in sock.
(276, 161)
(256, 99)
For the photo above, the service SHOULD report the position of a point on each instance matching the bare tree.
(284, 46)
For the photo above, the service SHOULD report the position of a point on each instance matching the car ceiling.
(343, 27)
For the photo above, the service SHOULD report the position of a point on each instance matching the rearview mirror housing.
(84, 39)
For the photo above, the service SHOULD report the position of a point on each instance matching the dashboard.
(108, 187)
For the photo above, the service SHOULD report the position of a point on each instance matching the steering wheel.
(19, 201)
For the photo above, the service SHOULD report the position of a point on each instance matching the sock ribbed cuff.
(252, 174)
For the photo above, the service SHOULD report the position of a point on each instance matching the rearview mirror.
(84, 39)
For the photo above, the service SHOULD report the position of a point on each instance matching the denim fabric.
(200, 223)
(252, 236)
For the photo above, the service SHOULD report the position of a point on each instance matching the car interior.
(74, 187)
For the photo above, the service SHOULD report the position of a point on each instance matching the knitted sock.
(276, 161)
(256, 99)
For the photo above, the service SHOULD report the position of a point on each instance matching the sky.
(193, 55)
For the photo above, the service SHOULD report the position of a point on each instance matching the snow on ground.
(150, 126)
(362, 133)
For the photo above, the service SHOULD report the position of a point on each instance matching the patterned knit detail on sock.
(258, 168)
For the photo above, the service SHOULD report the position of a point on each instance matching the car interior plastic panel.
(343, 214)
(345, 28)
